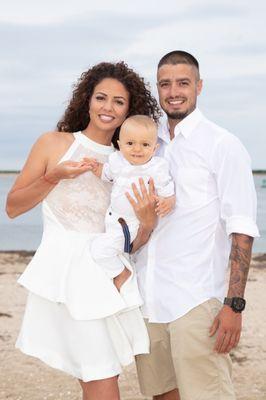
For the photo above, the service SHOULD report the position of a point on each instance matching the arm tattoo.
(240, 257)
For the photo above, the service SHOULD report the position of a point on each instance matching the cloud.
(45, 47)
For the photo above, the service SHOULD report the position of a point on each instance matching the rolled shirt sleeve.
(232, 166)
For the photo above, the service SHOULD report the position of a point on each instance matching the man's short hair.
(179, 57)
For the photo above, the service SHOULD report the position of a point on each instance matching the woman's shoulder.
(56, 137)
(50, 146)
(54, 141)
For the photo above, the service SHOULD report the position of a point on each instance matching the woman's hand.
(67, 170)
(37, 179)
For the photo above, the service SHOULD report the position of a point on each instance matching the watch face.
(238, 304)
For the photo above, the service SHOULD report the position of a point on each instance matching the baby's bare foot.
(120, 279)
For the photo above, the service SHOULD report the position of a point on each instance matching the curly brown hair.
(141, 101)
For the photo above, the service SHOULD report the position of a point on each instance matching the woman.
(67, 323)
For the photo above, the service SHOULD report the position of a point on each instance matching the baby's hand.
(164, 205)
(90, 162)
(94, 166)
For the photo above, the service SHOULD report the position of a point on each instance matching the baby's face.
(137, 144)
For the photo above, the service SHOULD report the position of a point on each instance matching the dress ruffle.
(62, 270)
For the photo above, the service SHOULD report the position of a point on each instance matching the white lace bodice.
(80, 204)
(62, 269)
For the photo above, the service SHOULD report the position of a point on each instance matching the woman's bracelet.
(48, 180)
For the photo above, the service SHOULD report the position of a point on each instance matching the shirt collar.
(184, 127)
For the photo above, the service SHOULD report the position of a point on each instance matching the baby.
(137, 144)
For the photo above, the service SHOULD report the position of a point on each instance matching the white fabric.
(186, 259)
(63, 279)
(62, 269)
(88, 350)
(122, 174)
(107, 248)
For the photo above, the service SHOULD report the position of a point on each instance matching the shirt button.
(110, 213)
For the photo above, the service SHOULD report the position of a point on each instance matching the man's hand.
(228, 326)
(144, 207)
(144, 204)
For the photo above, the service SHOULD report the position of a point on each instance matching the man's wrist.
(146, 230)
(144, 233)
(237, 304)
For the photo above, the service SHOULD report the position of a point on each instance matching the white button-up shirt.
(185, 261)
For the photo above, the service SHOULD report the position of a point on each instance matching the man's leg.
(155, 370)
(202, 374)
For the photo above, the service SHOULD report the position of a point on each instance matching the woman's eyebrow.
(119, 97)
(116, 97)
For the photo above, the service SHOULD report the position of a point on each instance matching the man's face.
(178, 87)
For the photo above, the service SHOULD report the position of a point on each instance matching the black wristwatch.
(236, 303)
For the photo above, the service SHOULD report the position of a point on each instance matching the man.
(182, 270)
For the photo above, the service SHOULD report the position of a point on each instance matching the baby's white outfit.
(108, 248)
(75, 318)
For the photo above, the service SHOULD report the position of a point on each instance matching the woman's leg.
(102, 389)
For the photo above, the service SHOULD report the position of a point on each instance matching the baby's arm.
(164, 185)
(95, 166)
(164, 205)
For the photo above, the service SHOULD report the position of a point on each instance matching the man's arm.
(142, 238)
(240, 257)
(144, 208)
(228, 323)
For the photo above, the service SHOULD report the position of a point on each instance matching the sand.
(26, 378)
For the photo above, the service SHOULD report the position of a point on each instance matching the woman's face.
(109, 105)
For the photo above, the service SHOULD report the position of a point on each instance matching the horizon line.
(17, 171)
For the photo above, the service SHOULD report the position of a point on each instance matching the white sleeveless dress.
(75, 319)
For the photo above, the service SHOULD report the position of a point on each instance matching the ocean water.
(24, 232)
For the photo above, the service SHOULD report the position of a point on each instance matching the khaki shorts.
(182, 357)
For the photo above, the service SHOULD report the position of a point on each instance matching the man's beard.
(177, 115)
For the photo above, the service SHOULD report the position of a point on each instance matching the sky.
(45, 46)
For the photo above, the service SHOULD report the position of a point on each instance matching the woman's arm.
(41, 173)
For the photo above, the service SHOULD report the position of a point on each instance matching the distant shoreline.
(259, 171)
(9, 172)
(15, 172)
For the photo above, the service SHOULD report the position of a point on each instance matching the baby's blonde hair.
(142, 121)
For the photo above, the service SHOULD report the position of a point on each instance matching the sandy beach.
(26, 378)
